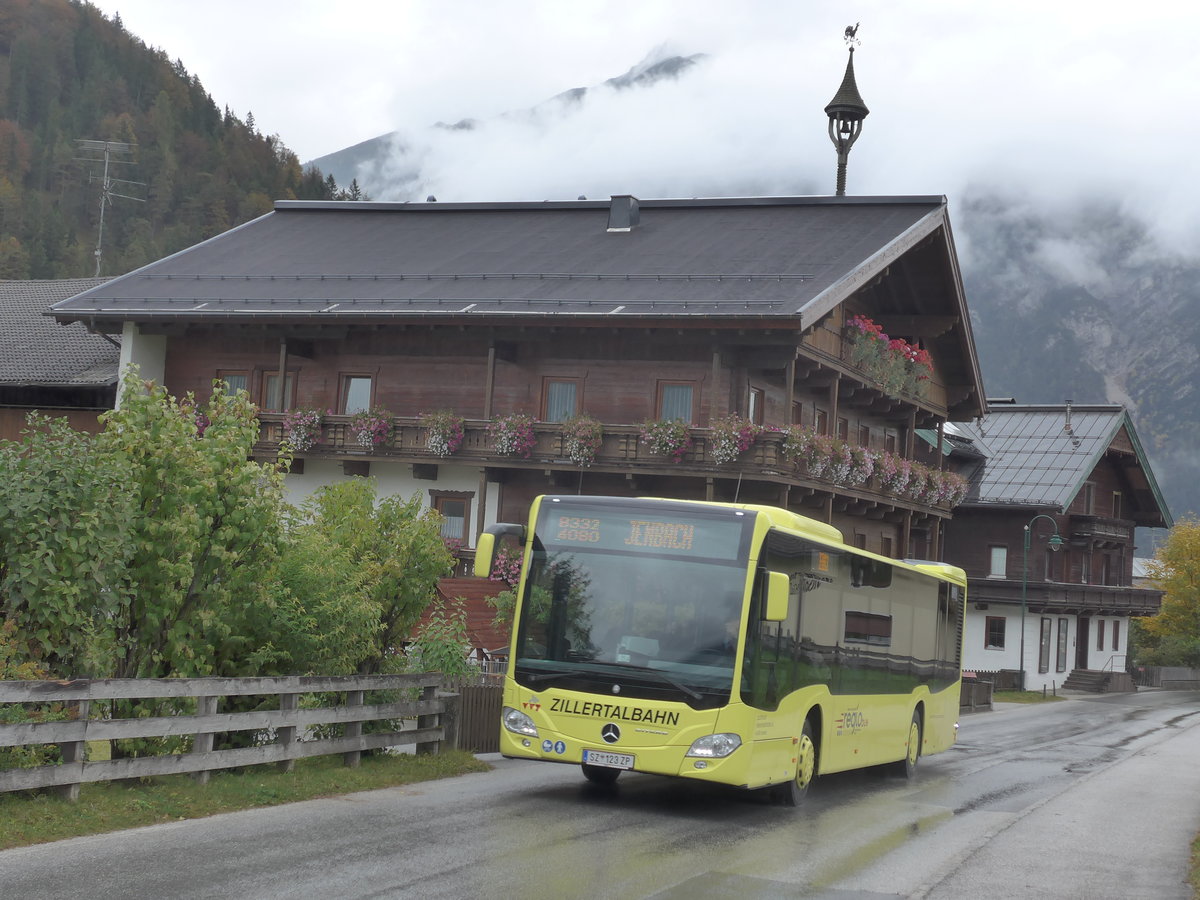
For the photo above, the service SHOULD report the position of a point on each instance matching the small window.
(864, 435)
(455, 507)
(1089, 498)
(560, 399)
(675, 401)
(1060, 661)
(1116, 645)
(271, 397)
(997, 561)
(843, 429)
(885, 546)
(755, 404)
(1099, 634)
(860, 540)
(797, 412)
(821, 421)
(356, 394)
(993, 635)
(868, 628)
(1085, 568)
(889, 441)
(235, 381)
(1116, 504)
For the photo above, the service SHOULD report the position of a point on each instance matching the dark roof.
(35, 350)
(757, 257)
(1033, 459)
(480, 616)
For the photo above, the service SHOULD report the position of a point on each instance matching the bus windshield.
(626, 600)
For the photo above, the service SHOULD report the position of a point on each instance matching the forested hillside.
(68, 74)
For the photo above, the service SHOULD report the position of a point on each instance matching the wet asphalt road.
(1096, 797)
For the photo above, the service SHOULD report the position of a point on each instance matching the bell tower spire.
(846, 112)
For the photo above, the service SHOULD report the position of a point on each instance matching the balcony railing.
(621, 451)
(834, 345)
(1099, 528)
(1065, 597)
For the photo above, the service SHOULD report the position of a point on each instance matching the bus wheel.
(600, 774)
(792, 793)
(908, 766)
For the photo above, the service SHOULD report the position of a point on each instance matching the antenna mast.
(105, 151)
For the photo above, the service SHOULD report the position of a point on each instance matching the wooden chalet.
(63, 372)
(1047, 537)
(627, 310)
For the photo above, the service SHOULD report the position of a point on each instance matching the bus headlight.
(516, 721)
(714, 746)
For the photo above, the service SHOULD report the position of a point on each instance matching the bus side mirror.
(778, 586)
(485, 547)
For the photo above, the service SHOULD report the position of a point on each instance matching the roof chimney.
(623, 212)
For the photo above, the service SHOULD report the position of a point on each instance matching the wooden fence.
(283, 735)
(975, 695)
(1173, 678)
(480, 700)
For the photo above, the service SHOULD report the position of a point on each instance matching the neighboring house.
(626, 310)
(486, 640)
(1075, 472)
(64, 372)
(1141, 571)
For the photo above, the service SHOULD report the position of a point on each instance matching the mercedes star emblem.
(611, 733)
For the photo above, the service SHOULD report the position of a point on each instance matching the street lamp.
(1054, 543)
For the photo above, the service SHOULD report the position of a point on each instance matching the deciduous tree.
(397, 549)
(1173, 636)
(204, 532)
(64, 515)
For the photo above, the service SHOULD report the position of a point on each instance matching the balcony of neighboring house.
(1068, 599)
(621, 449)
(1100, 531)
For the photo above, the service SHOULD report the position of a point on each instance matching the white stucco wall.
(147, 351)
(978, 658)
(395, 478)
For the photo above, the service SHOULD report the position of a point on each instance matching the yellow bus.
(731, 643)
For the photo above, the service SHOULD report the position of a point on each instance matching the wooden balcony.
(1053, 597)
(622, 452)
(1100, 531)
(831, 347)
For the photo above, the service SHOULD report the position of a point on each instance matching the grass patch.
(1195, 871)
(35, 818)
(1024, 697)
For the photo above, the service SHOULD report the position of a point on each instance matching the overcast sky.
(1053, 100)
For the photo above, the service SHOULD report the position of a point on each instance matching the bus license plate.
(609, 760)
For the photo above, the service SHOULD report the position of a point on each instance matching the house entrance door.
(1081, 642)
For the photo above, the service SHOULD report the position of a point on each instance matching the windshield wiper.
(548, 676)
(661, 676)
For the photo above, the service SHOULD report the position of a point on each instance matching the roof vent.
(623, 213)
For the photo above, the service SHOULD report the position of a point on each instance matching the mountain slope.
(390, 166)
(67, 73)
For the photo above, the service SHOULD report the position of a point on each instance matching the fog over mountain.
(1080, 255)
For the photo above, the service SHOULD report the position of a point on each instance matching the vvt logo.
(610, 733)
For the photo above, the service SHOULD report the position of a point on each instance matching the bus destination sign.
(698, 537)
(678, 536)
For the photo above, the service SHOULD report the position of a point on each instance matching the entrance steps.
(1096, 682)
